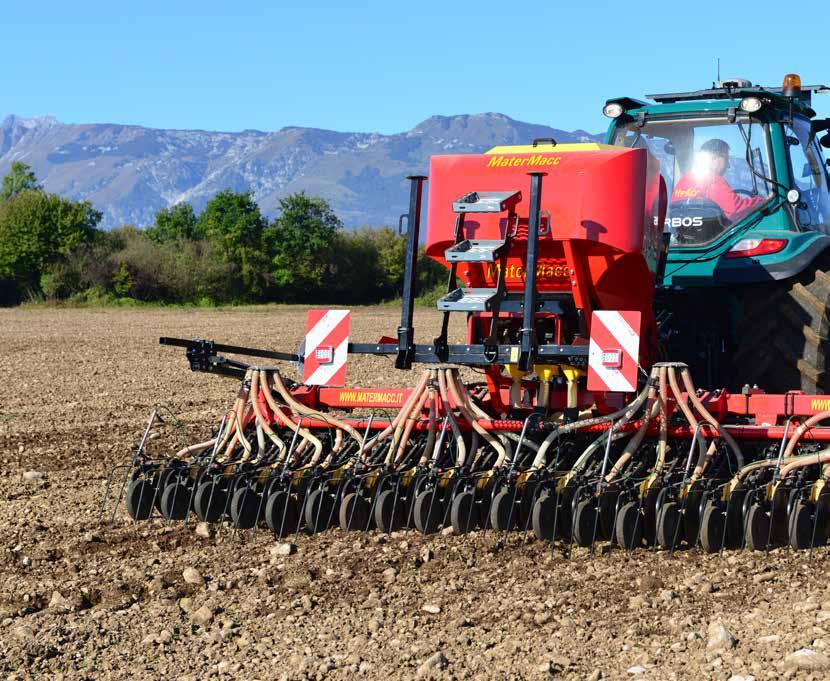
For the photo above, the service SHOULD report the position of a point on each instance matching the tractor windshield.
(708, 166)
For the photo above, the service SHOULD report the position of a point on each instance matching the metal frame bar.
(406, 332)
(527, 334)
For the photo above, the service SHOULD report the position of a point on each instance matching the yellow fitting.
(515, 373)
(516, 388)
(545, 372)
(563, 481)
(815, 490)
(572, 374)
(647, 484)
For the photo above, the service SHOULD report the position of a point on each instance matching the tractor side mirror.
(824, 141)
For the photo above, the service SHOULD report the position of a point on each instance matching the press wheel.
(209, 501)
(669, 520)
(390, 511)
(139, 499)
(281, 513)
(354, 512)
(175, 501)
(245, 508)
(428, 512)
(464, 513)
(629, 526)
(319, 510)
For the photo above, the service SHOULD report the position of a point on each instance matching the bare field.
(78, 600)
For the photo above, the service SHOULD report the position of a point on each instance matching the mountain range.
(129, 172)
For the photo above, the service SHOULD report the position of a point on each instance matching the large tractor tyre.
(783, 338)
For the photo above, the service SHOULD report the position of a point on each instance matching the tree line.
(51, 248)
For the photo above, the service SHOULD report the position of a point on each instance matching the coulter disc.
(757, 523)
(175, 501)
(629, 526)
(281, 513)
(319, 510)
(801, 526)
(245, 508)
(711, 527)
(354, 512)
(390, 512)
(544, 511)
(669, 533)
(209, 501)
(464, 513)
(139, 499)
(584, 522)
(607, 508)
(691, 516)
(428, 513)
(504, 512)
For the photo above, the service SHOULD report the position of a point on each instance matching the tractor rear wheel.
(783, 338)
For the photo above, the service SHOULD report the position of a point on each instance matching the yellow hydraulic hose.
(821, 457)
(692, 392)
(300, 408)
(456, 431)
(803, 428)
(652, 409)
(260, 417)
(193, 449)
(286, 421)
(703, 455)
(402, 413)
(470, 417)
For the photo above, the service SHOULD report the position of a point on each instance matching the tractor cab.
(746, 177)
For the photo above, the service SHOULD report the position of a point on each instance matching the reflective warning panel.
(614, 351)
(326, 347)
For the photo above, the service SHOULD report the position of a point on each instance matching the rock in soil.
(720, 638)
(432, 664)
(193, 576)
(202, 617)
(807, 659)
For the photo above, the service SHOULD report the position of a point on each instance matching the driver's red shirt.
(713, 187)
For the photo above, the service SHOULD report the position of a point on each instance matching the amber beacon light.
(792, 84)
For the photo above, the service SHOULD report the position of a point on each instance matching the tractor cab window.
(717, 173)
(808, 176)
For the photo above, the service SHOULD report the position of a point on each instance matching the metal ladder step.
(468, 300)
(486, 202)
(471, 250)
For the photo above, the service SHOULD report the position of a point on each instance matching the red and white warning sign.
(614, 351)
(326, 347)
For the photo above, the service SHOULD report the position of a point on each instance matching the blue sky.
(384, 66)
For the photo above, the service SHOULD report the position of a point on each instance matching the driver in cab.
(706, 181)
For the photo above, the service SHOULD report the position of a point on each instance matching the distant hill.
(130, 172)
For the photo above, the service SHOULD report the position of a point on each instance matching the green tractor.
(746, 285)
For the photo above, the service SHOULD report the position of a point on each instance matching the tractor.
(746, 287)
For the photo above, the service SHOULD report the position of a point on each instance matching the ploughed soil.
(79, 599)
